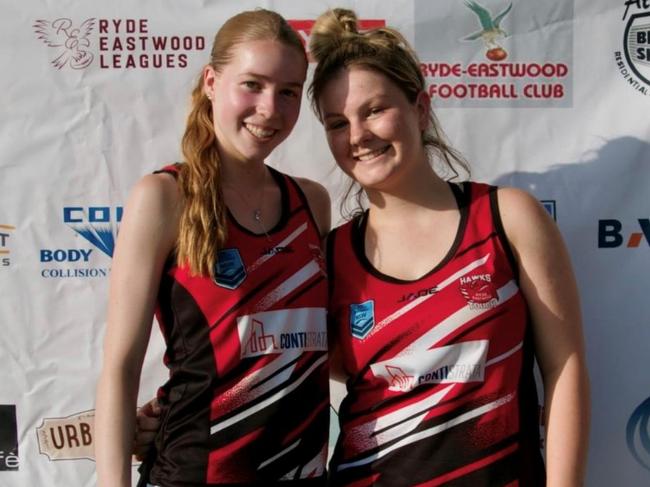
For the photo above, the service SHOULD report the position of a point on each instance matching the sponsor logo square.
(9, 460)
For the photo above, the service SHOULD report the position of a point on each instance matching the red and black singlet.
(247, 400)
(441, 388)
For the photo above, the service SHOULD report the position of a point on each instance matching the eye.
(335, 124)
(251, 85)
(374, 111)
(290, 93)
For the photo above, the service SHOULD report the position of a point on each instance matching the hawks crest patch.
(362, 318)
(479, 291)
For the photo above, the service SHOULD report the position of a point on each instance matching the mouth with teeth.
(367, 156)
(259, 132)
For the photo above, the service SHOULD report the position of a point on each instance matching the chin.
(372, 181)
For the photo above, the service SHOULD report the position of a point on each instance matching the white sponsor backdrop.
(103, 102)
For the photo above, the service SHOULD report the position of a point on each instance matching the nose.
(358, 132)
(268, 104)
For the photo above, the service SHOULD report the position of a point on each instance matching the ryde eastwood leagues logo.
(115, 44)
(129, 43)
(495, 79)
(634, 61)
(69, 438)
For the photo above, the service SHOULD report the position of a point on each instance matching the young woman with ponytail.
(442, 294)
(226, 252)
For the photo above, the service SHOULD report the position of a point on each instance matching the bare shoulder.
(153, 210)
(157, 191)
(319, 202)
(524, 218)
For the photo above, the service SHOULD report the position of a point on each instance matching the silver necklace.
(257, 210)
(257, 215)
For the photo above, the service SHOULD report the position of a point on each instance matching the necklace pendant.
(257, 214)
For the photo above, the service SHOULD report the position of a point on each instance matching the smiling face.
(373, 131)
(255, 98)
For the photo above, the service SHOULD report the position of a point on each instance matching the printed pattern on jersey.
(247, 399)
(441, 390)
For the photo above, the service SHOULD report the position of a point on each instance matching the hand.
(147, 422)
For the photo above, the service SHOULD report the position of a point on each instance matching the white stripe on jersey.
(291, 284)
(456, 320)
(504, 355)
(255, 385)
(428, 432)
(394, 424)
(278, 455)
(290, 475)
(270, 400)
(316, 466)
(285, 243)
(416, 302)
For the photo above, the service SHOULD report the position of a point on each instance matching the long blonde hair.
(337, 43)
(203, 221)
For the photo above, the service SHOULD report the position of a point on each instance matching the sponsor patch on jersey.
(230, 271)
(479, 291)
(457, 363)
(273, 332)
(362, 318)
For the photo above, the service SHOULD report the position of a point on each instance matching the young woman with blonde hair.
(225, 251)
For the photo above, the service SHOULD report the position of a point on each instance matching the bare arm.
(147, 235)
(549, 286)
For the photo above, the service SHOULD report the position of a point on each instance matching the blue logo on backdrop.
(362, 318)
(97, 224)
(230, 270)
(638, 434)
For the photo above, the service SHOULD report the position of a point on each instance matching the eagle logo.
(71, 42)
(491, 30)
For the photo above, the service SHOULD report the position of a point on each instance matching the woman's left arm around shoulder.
(549, 286)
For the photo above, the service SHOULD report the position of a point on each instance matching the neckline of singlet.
(358, 233)
(280, 180)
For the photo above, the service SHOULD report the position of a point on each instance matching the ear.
(423, 105)
(209, 78)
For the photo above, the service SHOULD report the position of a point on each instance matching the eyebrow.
(379, 98)
(296, 84)
(331, 115)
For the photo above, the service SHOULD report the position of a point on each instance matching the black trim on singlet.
(532, 469)
(305, 202)
(358, 233)
(172, 169)
(476, 244)
(286, 211)
(329, 257)
(498, 224)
